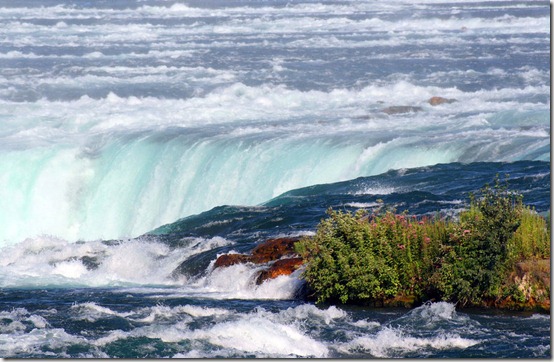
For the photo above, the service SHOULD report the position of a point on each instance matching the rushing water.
(139, 140)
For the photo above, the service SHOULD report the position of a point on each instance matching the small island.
(495, 254)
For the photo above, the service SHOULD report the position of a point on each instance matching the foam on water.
(258, 335)
(146, 264)
(239, 282)
(92, 312)
(27, 333)
(262, 20)
(190, 330)
(260, 332)
(48, 262)
(407, 334)
(390, 343)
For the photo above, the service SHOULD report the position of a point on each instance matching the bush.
(364, 257)
(371, 257)
(347, 262)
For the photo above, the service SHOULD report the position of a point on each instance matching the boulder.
(274, 249)
(401, 109)
(231, 259)
(280, 251)
(280, 267)
(435, 101)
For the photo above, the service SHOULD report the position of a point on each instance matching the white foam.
(243, 22)
(111, 337)
(438, 310)
(92, 312)
(239, 282)
(311, 312)
(258, 335)
(362, 205)
(70, 269)
(261, 332)
(28, 333)
(51, 261)
(366, 324)
(389, 343)
(197, 311)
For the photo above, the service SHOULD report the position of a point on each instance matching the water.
(139, 140)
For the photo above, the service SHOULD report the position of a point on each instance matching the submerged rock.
(435, 101)
(90, 262)
(401, 109)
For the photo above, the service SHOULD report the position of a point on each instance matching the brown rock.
(435, 101)
(231, 259)
(273, 249)
(401, 109)
(539, 270)
(280, 267)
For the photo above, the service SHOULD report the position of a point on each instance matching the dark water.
(135, 324)
(139, 140)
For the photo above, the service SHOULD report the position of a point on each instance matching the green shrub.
(531, 239)
(361, 257)
(496, 231)
(371, 257)
(347, 262)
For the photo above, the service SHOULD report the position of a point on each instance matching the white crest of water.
(390, 343)
(49, 261)
(119, 167)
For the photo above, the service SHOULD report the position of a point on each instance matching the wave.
(53, 263)
(117, 167)
(302, 330)
(124, 166)
(91, 10)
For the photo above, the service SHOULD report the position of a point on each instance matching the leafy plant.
(370, 257)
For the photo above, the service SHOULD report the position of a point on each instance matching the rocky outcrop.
(231, 259)
(273, 249)
(532, 279)
(435, 101)
(529, 288)
(278, 253)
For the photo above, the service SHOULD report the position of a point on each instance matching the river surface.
(139, 140)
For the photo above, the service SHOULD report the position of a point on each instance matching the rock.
(280, 267)
(531, 278)
(231, 259)
(280, 251)
(435, 101)
(273, 249)
(400, 109)
(90, 262)
(401, 301)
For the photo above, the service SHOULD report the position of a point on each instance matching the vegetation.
(493, 254)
